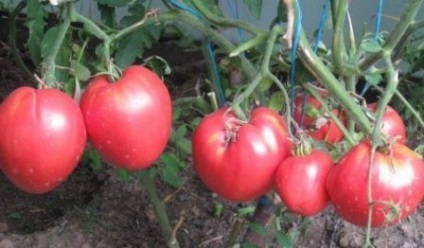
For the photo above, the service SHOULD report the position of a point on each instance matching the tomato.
(128, 121)
(319, 126)
(42, 137)
(392, 123)
(397, 179)
(300, 182)
(238, 160)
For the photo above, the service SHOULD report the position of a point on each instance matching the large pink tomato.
(128, 121)
(238, 160)
(42, 137)
(397, 184)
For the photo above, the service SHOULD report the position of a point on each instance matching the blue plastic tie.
(315, 48)
(235, 13)
(215, 71)
(293, 54)
(376, 31)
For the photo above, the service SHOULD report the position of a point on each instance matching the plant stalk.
(322, 73)
(167, 232)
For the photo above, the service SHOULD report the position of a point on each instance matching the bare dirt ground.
(94, 208)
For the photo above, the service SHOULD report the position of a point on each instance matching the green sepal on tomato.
(237, 160)
(397, 184)
(128, 121)
(300, 181)
(42, 137)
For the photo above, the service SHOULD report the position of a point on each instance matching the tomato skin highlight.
(42, 137)
(129, 121)
(392, 123)
(397, 177)
(300, 182)
(239, 161)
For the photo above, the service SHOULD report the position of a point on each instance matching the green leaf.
(158, 65)
(257, 228)
(181, 132)
(287, 240)
(171, 169)
(63, 56)
(265, 84)
(107, 14)
(172, 160)
(92, 157)
(133, 45)
(114, 3)
(255, 7)
(374, 78)
(80, 70)
(277, 101)
(35, 23)
(246, 210)
(124, 175)
(136, 13)
(370, 45)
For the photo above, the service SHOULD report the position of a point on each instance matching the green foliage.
(62, 58)
(114, 3)
(133, 45)
(172, 165)
(36, 24)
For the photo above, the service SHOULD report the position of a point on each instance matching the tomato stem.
(395, 35)
(369, 197)
(167, 231)
(311, 90)
(50, 75)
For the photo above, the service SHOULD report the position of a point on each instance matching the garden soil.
(96, 209)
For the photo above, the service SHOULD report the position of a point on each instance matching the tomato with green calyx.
(237, 160)
(300, 181)
(392, 124)
(128, 121)
(319, 125)
(42, 137)
(397, 184)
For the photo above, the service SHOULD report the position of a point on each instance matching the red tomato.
(128, 121)
(42, 136)
(319, 127)
(300, 182)
(238, 160)
(397, 178)
(392, 123)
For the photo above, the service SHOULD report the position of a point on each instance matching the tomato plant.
(392, 123)
(300, 182)
(397, 184)
(42, 137)
(128, 121)
(238, 160)
(319, 126)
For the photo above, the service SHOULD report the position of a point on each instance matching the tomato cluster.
(43, 132)
(242, 160)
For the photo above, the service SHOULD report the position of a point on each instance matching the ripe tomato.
(300, 182)
(397, 178)
(128, 121)
(42, 136)
(319, 127)
(238, 160)
(392, 123)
